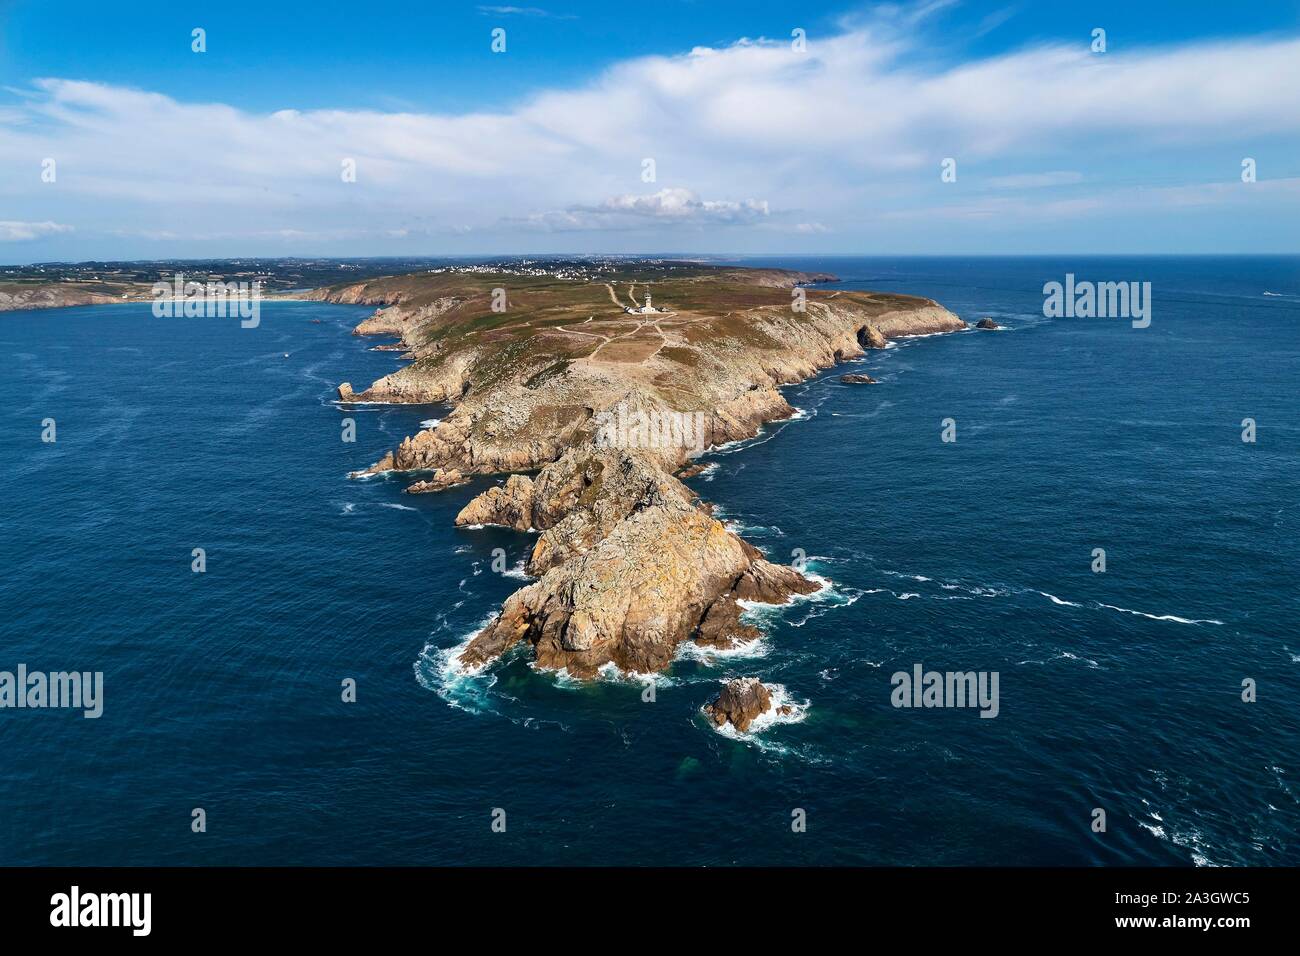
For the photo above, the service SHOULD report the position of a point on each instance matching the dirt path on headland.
(613, 296)
(631, 354)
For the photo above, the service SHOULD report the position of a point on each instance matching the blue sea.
(1120, 691)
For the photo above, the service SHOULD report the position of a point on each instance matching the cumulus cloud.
(669, 206)
(747, 136)
(682, 205)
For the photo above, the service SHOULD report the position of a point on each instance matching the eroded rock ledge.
(592, 409)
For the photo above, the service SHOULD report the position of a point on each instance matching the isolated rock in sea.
(739, 703)
(442, 479)
(986, 324)
(856, 378)
(345, 392)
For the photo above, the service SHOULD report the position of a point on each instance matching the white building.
(646, 309)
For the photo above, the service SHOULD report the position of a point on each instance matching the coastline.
(629, 563)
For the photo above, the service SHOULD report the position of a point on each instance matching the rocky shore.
(590, 410)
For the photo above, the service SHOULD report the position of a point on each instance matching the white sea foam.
(517, 572)
(1056, 600)
(707, 655)
(1064, 656)
(1160, 617)
(396, 507)
(611, 672)
(430, 423)
(907, 574)
(923, 335)
(563, 679)
(463, 686)
(830, 597)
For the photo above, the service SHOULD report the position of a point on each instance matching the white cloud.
(523, 12)
(752, 135)
(683, 205)
(11, 231)
(665, 207)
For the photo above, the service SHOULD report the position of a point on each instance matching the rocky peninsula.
(590, 402)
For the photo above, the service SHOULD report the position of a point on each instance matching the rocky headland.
(57, 295)
(590, 404)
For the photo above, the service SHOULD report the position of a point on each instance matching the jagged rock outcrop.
(442, 479)
(871, 337)
(629, 598)
(856, 378)
(629, 565)
(740, 702)
(987, 324)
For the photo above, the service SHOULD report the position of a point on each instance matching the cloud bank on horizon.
(839, 144)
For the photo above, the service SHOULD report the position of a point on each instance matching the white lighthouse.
(646, 309)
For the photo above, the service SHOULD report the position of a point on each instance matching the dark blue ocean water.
(1119, 690)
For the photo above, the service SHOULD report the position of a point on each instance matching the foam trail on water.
(463, 686)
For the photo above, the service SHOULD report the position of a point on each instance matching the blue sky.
(757, 146)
